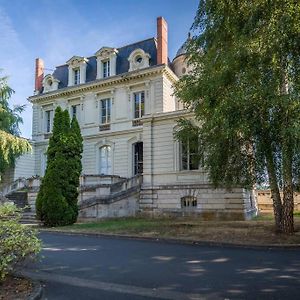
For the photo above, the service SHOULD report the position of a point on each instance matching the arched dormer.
(138, 59)
(50, 83)
(106, 62)
(77, 70)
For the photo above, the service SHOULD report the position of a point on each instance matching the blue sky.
(55, 30)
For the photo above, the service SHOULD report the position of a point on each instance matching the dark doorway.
(138, 158)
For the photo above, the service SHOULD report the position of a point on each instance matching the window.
(105, 160)
(75, 111)
(106, 69)
(138, 158)
(189, 155)
(139, 104)
(43, 163)
(138, 59)
(76, 76)
(188, 202)
(105, 111)
(48, 120)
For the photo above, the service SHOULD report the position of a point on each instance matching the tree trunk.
(288, 193)
(275, 193)
(288, 209)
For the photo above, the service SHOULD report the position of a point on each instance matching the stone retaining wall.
(237, 204)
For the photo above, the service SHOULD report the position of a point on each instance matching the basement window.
(188, 202)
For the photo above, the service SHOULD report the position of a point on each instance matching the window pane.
(74, 110)
(189, 155)
(136, 105)
(184, 156)
(108, 110)
(106, 68)
(49, 117)
(105, 111)
(76, 76)
(105, 160)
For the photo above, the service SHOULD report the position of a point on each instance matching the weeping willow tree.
(245, 92)
(11, 144)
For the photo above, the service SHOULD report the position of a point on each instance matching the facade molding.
(104, 83)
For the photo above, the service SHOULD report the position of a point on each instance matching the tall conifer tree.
(57, 198)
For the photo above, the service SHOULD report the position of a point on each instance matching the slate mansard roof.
(122, 64)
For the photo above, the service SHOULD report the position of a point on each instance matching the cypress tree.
(57, 199)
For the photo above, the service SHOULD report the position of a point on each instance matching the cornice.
(107, 82)
(170, 74)
(167, 115)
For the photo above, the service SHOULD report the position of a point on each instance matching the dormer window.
(50, 83)
(138, 59)
(76, 76)
(77, 70)
(106, 68)
(106, 62)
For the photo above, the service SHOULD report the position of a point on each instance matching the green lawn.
(258, 231)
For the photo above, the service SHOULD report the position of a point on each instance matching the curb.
(178, 241)
(37, 291)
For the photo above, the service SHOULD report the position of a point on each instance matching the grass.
(258, 231)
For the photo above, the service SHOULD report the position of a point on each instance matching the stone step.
(146, 201)
(145, 196)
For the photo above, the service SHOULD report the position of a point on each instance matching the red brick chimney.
(39, 74)
(162, 41)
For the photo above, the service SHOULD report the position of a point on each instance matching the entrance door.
(138, 158)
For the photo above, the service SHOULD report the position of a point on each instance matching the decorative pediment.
(50, 83)
(106, 52)
(76, 60)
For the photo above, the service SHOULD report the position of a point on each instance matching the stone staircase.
(17, 193)
(19, 198)
(109, 196)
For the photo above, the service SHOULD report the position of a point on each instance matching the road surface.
(85, 267)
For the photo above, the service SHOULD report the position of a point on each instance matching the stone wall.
(126, 207)
(166, 200)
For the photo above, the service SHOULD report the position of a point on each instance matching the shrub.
(17, 242)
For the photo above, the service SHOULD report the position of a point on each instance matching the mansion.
(124, 101)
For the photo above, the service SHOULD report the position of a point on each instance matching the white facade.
(127, 114)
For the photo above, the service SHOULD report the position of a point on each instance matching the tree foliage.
(18, 242)
(244, 89)
(57, 199)
(11, 145)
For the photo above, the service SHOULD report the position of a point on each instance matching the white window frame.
(188, 158)
(77, 113)
(76, 77)
(105, 119)
(105, 160)
(48, 120)
(141, 108)
(106, 68)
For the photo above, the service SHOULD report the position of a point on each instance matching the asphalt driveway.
(85, 267)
